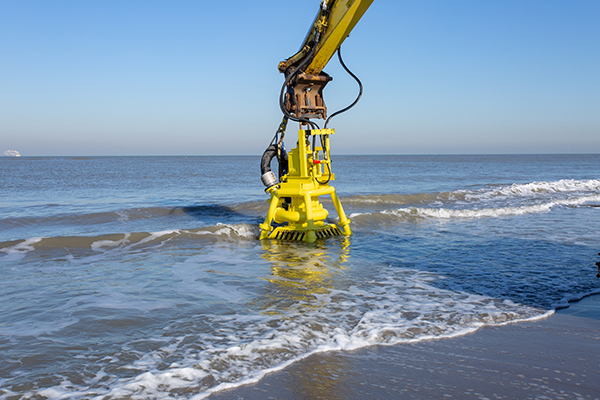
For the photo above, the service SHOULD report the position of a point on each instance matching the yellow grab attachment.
(295, 200)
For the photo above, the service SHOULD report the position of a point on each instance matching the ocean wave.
(414, 214)
(535, 189)
(487, 202)
(44, 216)
(491, 193)
(126, 241)
(17, 249)
(506, 200)
(401, 199)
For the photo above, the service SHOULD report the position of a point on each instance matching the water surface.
(142, 277)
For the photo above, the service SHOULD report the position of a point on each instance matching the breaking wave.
(488, 193)
(415, 214)
(158, 225)
(487, 202)
(127, 241)
(537, 188)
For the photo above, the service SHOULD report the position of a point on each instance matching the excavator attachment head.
(295, 199)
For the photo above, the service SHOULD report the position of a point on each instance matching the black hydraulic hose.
(328, 177)
(266, 175)
(265, 165)
(359, 93)
(283, 163)
(265, 161)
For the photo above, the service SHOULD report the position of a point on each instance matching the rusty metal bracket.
(304, 97)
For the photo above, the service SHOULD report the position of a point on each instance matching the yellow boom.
(336, 19)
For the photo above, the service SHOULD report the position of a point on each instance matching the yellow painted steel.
(295, 201)
(343, 17)
(336, 26)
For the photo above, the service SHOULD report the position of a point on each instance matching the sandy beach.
(554, 358)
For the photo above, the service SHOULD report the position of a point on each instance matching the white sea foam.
(123, 216)
(541, 190)
(126, 242)
(447, 213)
(241, 349)
(100, 245)
(157, 235)
(534, 189)
(19, 250)
(246, 231)
(442, 213)
(150, 384)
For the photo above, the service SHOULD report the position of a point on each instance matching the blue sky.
(200, 77)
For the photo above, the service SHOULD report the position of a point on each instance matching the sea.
(143, 277)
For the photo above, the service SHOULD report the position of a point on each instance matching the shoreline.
(556, 357)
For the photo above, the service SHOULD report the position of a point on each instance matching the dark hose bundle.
(267, 176)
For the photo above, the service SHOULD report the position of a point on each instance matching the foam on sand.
(500, 361)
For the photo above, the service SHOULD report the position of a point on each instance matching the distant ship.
(12, 153)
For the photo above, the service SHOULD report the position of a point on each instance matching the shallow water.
(142, 277)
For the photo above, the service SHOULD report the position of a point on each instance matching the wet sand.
(554, 358)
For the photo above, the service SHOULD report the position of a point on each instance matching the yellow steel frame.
(295, 201)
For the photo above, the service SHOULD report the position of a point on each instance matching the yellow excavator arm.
(295, 212)
(332, 25)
